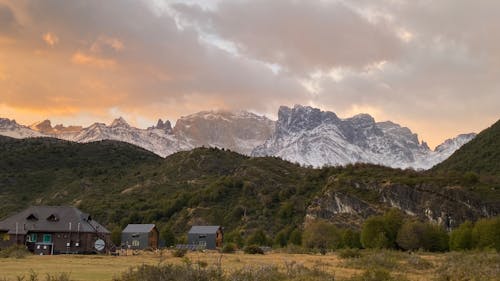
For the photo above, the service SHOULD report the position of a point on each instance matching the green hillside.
(481, 155)
(119, 184)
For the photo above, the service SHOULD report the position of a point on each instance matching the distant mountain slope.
(10, 128)
(119, 184)
(480, 155)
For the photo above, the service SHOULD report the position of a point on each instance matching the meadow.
(340, 265)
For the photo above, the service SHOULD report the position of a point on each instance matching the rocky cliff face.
(238, 131)
(349, 203)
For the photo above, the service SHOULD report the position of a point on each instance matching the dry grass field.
(421, 266)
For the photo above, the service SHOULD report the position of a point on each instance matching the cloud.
(431, 66)
(133, 59)
(84, 59)
(8, 21)
(50, 38)
(301, 36)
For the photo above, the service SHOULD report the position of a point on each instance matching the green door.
(47, 238)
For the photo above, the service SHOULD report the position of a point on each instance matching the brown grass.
(106, 267)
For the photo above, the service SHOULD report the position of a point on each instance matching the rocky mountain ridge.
(301, 134)
(313, 137)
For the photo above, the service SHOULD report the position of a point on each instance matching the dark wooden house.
(206, 236)
(54, 230)
(140, 236)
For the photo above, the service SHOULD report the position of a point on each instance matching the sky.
(433, 66)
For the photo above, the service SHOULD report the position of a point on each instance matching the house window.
(47, 238)
(32, 237)
(135, 243)
(5, 237)
(202, 236)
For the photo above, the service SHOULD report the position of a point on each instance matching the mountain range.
(301, 134)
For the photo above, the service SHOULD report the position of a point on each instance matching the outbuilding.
(140, 236)
(47, 230)
(206, 236)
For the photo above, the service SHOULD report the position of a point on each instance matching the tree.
(373, 234)
(116, 236)
(436, 238)
(461, 237)
(168, 236)
(295, 237)
(351, 239)
(393, 220)
(236, 237)
(411, 235)
(281, 238)
(258, 238)
(486, 233)
(321, 235)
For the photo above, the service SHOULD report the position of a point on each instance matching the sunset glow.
(432, 67)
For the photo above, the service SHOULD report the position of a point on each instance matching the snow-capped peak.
(119, 122)
(310, 136)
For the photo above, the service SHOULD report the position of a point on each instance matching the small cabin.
(140, 236)
(207, 236)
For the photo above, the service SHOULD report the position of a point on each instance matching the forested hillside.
(119, 184)
(481, 155)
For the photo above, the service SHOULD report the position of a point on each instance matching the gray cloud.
(302, 36)
(8, 22)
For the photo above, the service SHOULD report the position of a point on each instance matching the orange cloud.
(113, 43)
(83, 59)
(51, 39)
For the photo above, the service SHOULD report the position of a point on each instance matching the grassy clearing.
(369, 265)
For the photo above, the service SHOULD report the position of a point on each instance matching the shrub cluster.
(395, 231)
(14, 251)
(293, 272)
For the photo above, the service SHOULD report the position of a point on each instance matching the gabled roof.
(51, 219)
(138, 228)
(204, 229)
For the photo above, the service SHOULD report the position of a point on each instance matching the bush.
(349, 253)
(469, 266)
(376, 274)
(461, 237)
(14, 251)
(384, 259)
(419, 263)
(253, 249)
(258, 238)
(229, 248)
(170, 272)
(179, 253)
(33, 276)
